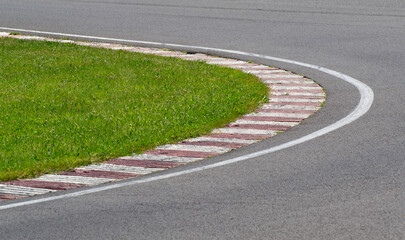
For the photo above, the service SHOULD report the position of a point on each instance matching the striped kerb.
(293, 98)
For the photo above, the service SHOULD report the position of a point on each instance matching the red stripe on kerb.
(260, 127)
(313, 104)
(99, 174)
(178, 153)
(273, 119)
(44, 184)
(143, 163)
(4, 197)
(286, 111)
(216, 144)
(241, 136)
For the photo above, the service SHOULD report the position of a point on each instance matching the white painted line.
(194, 148)
(4, 34)
(289, 124)
(121, 168)
(290, 107)
(158, 157)
(21, 190)
(73, 179)
(243, 131)
(298, 100)
(365, 103)
(227, 140)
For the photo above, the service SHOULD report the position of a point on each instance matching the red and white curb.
(293, 98)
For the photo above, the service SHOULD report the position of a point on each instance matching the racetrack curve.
(345, 184)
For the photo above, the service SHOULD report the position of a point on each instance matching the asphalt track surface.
(349, 183)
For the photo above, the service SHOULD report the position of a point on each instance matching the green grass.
(63, 105)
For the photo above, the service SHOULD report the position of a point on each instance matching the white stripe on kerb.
(21, 190)
(30, 38)
(242, 67)
(228, 140)
(281, 76)
(121, 168)
(271, 114)
(289, 81)
(157, 157)
(193, 57)
(298, 100)
(290, 107)
(66, 41)
(289, 124)
(224, 62)
(259, 72)
(153, 51)
(194, 148)
(275, 87)
(120, 48)
(243, 131)
(85, 43)
(298, 94)
(73, 179)
(171, 55)
(206, 58)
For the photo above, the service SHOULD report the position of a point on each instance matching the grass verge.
(63, 105)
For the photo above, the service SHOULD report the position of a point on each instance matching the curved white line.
(366, 100)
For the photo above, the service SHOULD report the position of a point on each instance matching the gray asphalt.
(348, 184)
